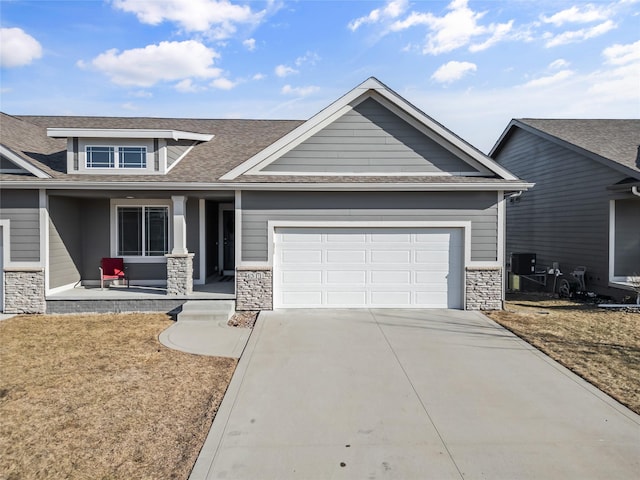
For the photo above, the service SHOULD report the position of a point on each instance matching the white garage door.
(368, 267)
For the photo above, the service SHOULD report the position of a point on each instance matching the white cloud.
(284, 71)
(622, 80)
(187, 86)
(621, 54)
(310, 58)
(167, 61)
(250, 44)
(259, 76)
(499, 31)
(393, 9)
(217, 17)
(589, 13)
(18, 48)
(580, 35)
(549, 80)
(223, 84)
(452, 71)
(456, 29)
(299, 91)
(557, 64)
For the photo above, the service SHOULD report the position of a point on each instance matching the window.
(100, 157)
(143, 231)
(116, 157)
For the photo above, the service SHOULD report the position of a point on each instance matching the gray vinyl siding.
(370, 138)
(21, 208)
(565, 217)
(175, 149)
(627, 243)
(96, 244)
(65, 242)
(478, 207)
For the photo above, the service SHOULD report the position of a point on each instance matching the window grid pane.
(143, 231)
(130, 231)
(157, 231)
(100, 157)
(132, 157)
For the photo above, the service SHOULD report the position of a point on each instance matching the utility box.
(523, 263)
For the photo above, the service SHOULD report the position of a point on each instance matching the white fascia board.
(324, 186)
(126, 133)
(22, 163)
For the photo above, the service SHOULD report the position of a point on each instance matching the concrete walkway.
(213, 338)
(438, 394)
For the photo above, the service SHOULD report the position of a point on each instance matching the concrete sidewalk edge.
(205, 460)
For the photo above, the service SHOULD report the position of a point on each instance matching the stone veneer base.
(483, 288)
(24, 290)
(254, 288)
(179, 274)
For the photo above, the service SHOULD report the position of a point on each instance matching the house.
(585, 207)
(370, 203)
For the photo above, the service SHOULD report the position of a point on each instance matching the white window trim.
(116, 157)
(113, 227)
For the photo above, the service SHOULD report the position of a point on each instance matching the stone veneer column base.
(179, 274)
(24, 290)
(254, 288)
(484, 288)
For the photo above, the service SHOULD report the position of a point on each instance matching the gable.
(369, 139)
(369, 132)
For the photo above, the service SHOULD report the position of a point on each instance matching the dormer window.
(126, 151)
(116, 157)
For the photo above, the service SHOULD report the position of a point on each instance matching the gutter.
(232, 186)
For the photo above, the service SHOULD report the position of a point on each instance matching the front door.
(227, 253)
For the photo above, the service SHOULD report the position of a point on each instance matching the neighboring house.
(370, 203)
(585, 207)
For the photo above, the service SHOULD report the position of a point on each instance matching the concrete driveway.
(406, 394)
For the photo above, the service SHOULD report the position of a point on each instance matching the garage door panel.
(308, 237)
(368, 267)
(302, 299)
(387, 298)
(297, 257)
(400, 277)
(347, 256)
(390, 256)
(301, 276)
(352, 298)
(345, 237)
(346, 277)
(394, 238)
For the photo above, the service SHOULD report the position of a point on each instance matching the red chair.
(112, 269)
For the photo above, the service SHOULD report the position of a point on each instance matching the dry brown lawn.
(97, 396)
(600, 345)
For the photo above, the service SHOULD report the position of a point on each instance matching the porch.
(137, 298)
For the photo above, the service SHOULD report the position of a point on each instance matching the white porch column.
(179, 225)
(179, 261)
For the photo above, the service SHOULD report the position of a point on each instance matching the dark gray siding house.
(585, 207)
(370, 203)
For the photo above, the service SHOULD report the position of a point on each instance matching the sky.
(470, 65)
